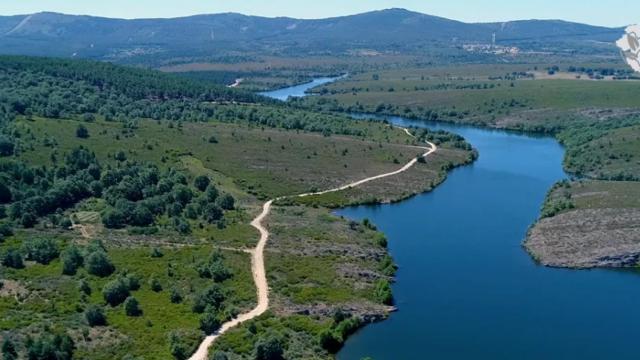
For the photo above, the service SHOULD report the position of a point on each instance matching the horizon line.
(306, 18)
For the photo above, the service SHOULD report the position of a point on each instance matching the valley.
(369, 186)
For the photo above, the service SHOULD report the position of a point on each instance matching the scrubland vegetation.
(126, 197)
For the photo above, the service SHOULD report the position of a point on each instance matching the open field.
(505, 96)
(264, 161)
(268, 72)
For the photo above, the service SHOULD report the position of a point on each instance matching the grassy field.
(268, 72)
(263, 161)
(494, 95)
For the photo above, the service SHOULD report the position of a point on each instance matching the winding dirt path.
(257, 254)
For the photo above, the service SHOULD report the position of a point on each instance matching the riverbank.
(600, 141)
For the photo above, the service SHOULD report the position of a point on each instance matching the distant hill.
(231, 34)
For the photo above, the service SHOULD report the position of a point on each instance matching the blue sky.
(597, 12)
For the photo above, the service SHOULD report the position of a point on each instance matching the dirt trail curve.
(257, 255)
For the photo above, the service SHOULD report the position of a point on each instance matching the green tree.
(115, 292)
(82, 132)
(41, 250)
(212, 193)
(84, 287)
(269, 347)
(9, 351)
(94, 315)
(212, 296)
(71, 260)
(383, 293)
(6, 146)
(155, 285)
(226, 201)
(156, 253)
(132, 307)
(5, 193)
(219, 355)
(212, 213)
(13, 259)
(175, 296)
(209, 323)
(47, 347)
(202, 182)
(98, 264)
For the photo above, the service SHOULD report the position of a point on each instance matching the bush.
(214, 268)
(179, 350)
(201, 182)
(6, 146)
(175, 296)
(182, 227)
(133, 282)
(5, 194)
(212, 193)
(132, 307)
(71, 260)
(219, 355)
(155, 285)
(226, 201)
(212, 213)
(9, 351)
(13, 259)
(329, 341)
(383, 292)
(47, 347)
(212, 296)
(82, 132)
(94, 315)
(42, 251)
(115, 292)
(98, 264)
(84, 287)
(209, 323)
(28, 220)
(156, 253)
(269, 348)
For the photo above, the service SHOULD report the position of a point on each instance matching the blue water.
(297, 91)
(466, 289)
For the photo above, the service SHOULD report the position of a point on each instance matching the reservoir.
(466, 288)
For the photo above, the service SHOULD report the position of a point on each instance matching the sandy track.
(257, 255)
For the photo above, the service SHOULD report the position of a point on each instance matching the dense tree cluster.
(214, 268)
(139, 193)
(33, 192)
(136, 193)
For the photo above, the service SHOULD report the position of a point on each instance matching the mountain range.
(232, 34)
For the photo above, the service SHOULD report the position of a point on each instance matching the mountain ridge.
(398, 30)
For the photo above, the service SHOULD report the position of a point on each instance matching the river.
(466, 288)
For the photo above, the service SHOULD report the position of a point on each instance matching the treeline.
(88, 91)
(56, 88)
(592, 146)
(134, 83)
